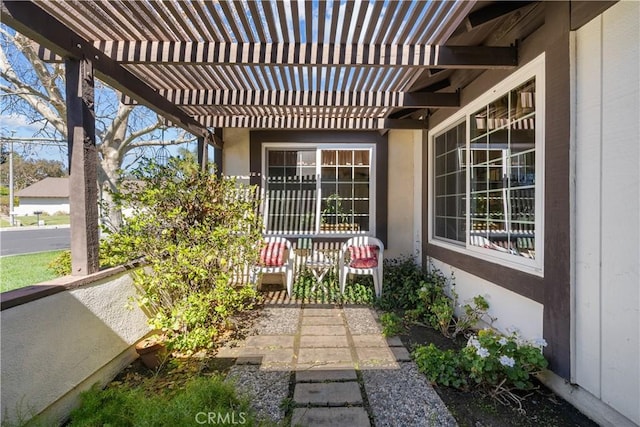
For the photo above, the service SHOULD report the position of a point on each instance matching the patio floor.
(331, 366)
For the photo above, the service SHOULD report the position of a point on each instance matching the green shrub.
(498, 364)
(440, 367)
(61, 265)
(391, 324)
(197, 234)
(402, 278)
(125, 407)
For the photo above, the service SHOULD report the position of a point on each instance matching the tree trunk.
(107, 181)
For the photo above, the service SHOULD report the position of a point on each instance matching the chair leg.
(376, 284)
(289, 281)
(343, 280)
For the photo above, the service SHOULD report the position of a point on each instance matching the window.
(486, 170)
(318, 190)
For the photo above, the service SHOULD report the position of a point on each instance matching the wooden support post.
(83, 158)
(203, 153)
(217, 153)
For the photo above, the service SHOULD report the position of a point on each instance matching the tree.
(35, 89)
(30, 171)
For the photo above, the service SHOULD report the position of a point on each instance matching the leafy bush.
(391, 324)
(402, 279)
(197, 234)
(502, 362)
(360, 292)
(499, 364)
(440, 367)
(61, 265)
(189, 406)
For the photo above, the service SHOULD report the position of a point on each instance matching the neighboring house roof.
(48, 187)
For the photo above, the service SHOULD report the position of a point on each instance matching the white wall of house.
(607, 205)
(50, 205)
(404, 211)
(511, 310)
(57, 346)
(235, 155)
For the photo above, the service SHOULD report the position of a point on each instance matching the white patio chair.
(365, 256)
(276, 256)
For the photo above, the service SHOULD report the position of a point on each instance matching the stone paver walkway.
(332, 367)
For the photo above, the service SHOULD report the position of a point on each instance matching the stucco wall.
(235, 160)
(404, 214)
(510, 309)
(57, 346)
(607, 202)
(29, 205)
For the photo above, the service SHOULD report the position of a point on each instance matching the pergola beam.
(44, 29)
(309, 122)
(493, 11)
(207, 97)
(305, 54)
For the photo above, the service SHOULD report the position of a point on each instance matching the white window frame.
(318, 147)
(535, 68)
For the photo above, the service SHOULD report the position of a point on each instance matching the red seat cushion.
(272, 254)
(363, 256)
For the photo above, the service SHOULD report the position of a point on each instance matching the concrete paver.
(328, 394)
(324, 375)
(318, 355)
(323, 330)
(324, 341)
(330, 417)
(369, 341)
(322, 320)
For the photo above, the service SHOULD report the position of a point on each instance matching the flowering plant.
(503, 362)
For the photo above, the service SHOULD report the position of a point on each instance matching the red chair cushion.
(272, 254)
(363, 256)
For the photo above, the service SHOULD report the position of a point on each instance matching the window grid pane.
(450, 194)
(503, 173)
(292, 191)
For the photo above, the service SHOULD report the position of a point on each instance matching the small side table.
(319, 264)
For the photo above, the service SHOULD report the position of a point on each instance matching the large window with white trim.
(318, 190)
(486, 175)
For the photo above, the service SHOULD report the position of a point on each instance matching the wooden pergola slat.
(44, 29)
(339, 122)
(206, 97)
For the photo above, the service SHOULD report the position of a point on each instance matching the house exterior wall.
(75, 338)
(235, 155)
(405, 231)
(551, 290)
(50, 205)
(607, 202)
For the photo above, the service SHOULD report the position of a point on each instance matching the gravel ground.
(278, 321)
(403, 397)
(266, 389)
(362, 320)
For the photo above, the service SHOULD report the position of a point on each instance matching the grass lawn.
(33, 220)
(18, 271)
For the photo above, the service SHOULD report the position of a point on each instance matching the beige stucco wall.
(50, 205)
(404, 214)
(235, 155)
(55, 347)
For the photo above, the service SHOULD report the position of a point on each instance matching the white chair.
(276, 256)
(366, 256)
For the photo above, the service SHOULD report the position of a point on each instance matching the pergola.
(208, 65)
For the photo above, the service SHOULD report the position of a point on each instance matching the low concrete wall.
(59, 345)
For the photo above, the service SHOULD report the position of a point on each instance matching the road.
(15, 242)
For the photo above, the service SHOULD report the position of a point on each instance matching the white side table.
(319, 264)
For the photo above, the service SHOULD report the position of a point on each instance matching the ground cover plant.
(202, 400)
(19, 271)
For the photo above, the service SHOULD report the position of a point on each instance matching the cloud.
(10, 123)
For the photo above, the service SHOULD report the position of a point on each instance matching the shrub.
(197, 234)
(61, 265)
(496, 363)
(391, 324)
(402, 278)
(440, 367)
